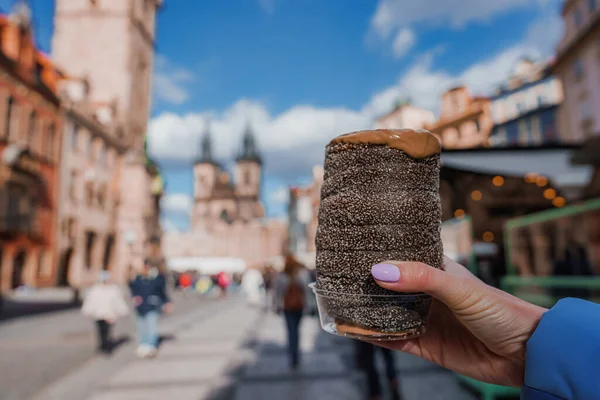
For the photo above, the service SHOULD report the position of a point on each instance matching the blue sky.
(303, 71)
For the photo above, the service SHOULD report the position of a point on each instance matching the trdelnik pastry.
(379, 201)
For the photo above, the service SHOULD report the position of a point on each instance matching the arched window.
(225, 217)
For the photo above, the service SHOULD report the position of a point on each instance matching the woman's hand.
(168, 308)
(474, 329)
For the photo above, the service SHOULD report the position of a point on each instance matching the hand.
(110, 321)
(168, 308)
(137, 301)
(474, 329)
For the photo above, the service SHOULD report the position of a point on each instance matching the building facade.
(465, 121)
(228, 218)
(577, 64)
(92, 159)
(525, 109)
(30, 137)
(405, 116)
(110, 43)
(303, 211)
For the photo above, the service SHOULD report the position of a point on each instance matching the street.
(37, 350)
(213, 349)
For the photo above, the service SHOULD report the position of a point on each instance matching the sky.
(303, 71)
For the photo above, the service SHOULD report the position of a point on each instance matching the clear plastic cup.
(373, 317)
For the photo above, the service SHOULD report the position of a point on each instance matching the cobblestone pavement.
(232, 352)
(37, 350)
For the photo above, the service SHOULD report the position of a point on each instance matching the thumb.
(455, 290)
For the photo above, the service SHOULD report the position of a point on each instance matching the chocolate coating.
(379, 201)
(416, 143)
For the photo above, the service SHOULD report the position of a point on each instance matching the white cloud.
(177, 204)
(293, 141)
(404, 41)
(395, 14)
(169, 81)
(168, 226)
(268, 6)
(280, 195)
(398, 18)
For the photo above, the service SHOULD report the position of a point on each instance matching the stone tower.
(248, 177)
(111, 43)
(205, 179)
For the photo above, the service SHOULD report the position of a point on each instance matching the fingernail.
(385, 272)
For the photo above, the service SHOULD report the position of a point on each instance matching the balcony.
(19, 224)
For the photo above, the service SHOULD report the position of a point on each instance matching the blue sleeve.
(563, 354)
(164, 296)
(133, 287)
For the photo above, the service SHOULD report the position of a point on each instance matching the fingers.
(451, 287)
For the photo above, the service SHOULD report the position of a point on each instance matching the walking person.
(104, 303)
(268, 278)
(149, 294)
(365, 357)
(292, 294)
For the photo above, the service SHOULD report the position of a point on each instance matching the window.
(75, 137)
(72, 184)
(225, 217)
(536, 130)
(40, 263)
(499, 139)
(541, 100)
(585, 110)
(50, 141)
(247, 177)
(523, 132)
(39, 69)
(592, 4)
(578, 69)
(31, 125)
(102, 154)
(89, 194)
(9, 114)
(577, 17)
(101, 196)
(89, 150)
(90, 238)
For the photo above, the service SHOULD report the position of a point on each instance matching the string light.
(476, 195)
(498, 181)
(530, 177)
(541, 181)
(488, 236)
(549, 194)
(459, 213)
(559, 202)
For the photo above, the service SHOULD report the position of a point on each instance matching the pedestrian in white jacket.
(104, 303)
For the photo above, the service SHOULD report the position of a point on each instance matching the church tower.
(111, 43)
(205, 179)
(248, 177)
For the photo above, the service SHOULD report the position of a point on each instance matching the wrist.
(531, 315)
